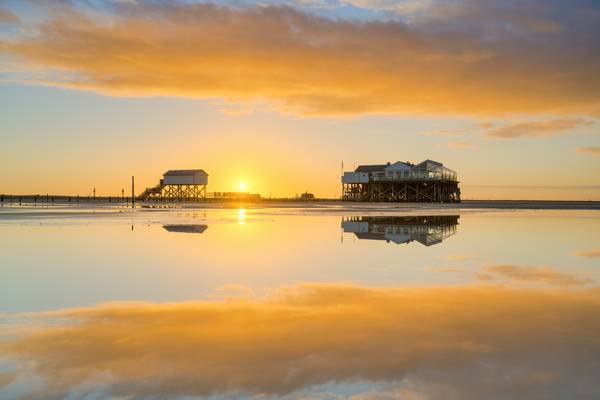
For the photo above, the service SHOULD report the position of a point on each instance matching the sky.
(277, 94)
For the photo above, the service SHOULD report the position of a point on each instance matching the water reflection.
(427, 230)
(186, 228)
(427, 343)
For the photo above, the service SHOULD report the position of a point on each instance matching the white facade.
(185, 177)
(355, 226)
(355, 177)
(400, 171)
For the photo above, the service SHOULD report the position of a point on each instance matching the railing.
(414, 175)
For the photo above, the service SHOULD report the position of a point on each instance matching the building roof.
(370, 168)
(398, 165)
(184, 172)
(428, 162)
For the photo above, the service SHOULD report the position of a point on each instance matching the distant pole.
(123, 193)
(342, 179)
(132, 191)
(94, 193)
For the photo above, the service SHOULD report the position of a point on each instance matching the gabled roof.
(370, 168)
(427, 163)
(184, 172)
(398, 165)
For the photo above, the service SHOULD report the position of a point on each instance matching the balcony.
(418, 175)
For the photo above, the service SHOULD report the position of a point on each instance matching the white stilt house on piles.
(428, 181)
(179, 185)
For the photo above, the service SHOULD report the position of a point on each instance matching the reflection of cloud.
(471, 57)
(6, 378)
(7, 16)
(593, 253)
(463, 342)
(541, 275)
(595, 150)
(458, 257)
(540, 129)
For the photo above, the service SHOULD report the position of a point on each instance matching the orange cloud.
(7, 17)
(594, 253)
(428, 340)
(308, 64)
(445, 132)
(539, 129)
(460, 145)
(444, 269)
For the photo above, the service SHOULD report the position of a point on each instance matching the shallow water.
(293, 302)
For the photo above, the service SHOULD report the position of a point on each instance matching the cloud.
(433, 341)
(444, 269)
(445, 132)
(7, 17)
(594, 150)
(536, 129)
(593, 253)
(535, 275)
(465, 58)
(460, 145)
(401, 7)
(6, 378)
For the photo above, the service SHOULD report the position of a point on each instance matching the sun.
(242, 186)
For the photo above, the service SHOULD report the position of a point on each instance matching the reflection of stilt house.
(427, 230)
(180, 185)
(428, 181)
(185, 228)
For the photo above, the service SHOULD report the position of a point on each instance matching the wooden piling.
(132, 191)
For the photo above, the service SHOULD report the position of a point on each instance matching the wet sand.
(320, 205)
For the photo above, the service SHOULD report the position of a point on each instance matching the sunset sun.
(242, 186)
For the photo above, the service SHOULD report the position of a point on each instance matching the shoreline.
(63, 201)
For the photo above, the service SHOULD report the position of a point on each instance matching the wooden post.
(132, 191)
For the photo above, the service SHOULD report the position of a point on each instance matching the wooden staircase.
(149, 192)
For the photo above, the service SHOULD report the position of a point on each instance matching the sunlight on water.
(312, 303)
